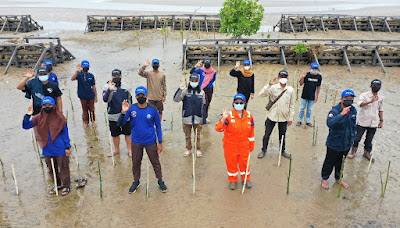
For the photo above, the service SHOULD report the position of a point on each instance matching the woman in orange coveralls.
(238, 128)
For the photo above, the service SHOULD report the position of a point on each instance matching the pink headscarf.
(209, 76)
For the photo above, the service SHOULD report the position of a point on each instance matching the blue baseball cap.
(85, 63)
(155, 61)
(48, 100)
(48, 63)
(141, 89)
(348, 92)
(314, 65)
(239, 96)
(246, 62)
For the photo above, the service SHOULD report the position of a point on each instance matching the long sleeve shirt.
(283, 109)
(368, 115)
(114, 100)
(194, 106)
(156, 84)
(60, 144)
(245, 84)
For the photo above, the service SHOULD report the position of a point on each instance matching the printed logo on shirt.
(50, 90)
(148, 116)
(330, 115)
(313, 79)
(133, 114)
(39, 95)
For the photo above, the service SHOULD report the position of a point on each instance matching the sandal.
(198, 153)
(186, 153)
(66, 191)
(309, 124)
(110, 154)
(298, 123)
(52, 191)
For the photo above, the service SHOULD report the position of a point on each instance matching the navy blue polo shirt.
(85, 83)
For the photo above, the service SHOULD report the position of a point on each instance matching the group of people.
(140, 122)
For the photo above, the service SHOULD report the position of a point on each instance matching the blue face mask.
(44, 78)
(194, 84)
(238, 107)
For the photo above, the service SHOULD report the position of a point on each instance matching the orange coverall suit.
(238, 141)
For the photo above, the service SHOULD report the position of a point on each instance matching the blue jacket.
(53, 78)
(58, 147)
(114, 100)
(194, 106)
(202, 75)
(85, 84)
(143, 121)
(342, 129)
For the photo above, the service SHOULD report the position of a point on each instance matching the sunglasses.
(238, 102)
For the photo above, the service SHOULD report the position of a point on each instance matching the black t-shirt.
(50, 89)
(311, 82)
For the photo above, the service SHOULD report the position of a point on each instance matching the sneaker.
(367, 155)
(261, 154)
(286, 155)
(232, 185)
(135, 185)
(162, 186)
(249, 184)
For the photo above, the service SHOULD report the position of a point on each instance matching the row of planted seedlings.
(292, 23)
(103, 23)
(18, 23)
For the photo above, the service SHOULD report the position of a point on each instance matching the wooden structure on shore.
(21, 52)
(281, 51)
(18, 23)
(292, 23)
(207, 23)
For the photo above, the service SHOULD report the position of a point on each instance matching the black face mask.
(49, 68)
(347, 103)
(48, 109)
(85, 69)
(207, 65)
(155, 67)
(141, 100)
(376, 89)
(117, 82)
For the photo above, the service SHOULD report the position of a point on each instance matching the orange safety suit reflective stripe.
(238, 141)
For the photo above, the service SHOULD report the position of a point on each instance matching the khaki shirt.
(283, 109)
(156, 84)
(368, 116)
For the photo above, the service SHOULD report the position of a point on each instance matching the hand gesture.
(42, 65)
(380, 125)
(111, 85)
(375, 98)
(345, 111)
(159, 148)
(289, 123)
(30, 110)
(164, 99)
(225, 114)
(95, 99)
(182, 86)
(67, 152)
(274, 80)
(237, 65)
(199, 64)
(125, 107)
(252, 96)
(304, 74)
(79, 68)
(30, 74)
(147, 62)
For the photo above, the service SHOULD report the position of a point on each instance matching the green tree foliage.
(300, 48)
(241, 17)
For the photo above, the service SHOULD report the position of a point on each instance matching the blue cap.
(246, 62)
(141, 89)
(48, 100)
(348, 92)
(155, 61)
(239, 96)
(85, 63)
(314, 65)
(48, 63)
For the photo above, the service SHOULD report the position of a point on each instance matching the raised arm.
(29, 75)
(142, 71)
(78, 69)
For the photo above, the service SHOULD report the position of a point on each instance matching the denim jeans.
(309, 104)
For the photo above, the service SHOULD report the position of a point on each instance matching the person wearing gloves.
(342, 125)
(193, 111)
(245, 77)
(207, 79)
(282, 98)
(114, 93)
(238, 141)
(51, 131)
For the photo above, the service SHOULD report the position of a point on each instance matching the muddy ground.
(266, 205)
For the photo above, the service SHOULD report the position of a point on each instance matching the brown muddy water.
(266, 205)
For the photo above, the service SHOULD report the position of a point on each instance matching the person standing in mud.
(245, 77)
(281, 111)
(39, 87)
(193, 111)
(312, 86)
(52, 76)
(238, 128)
(87, 92)
(51, 131)
(146, 131)
(114, 93)
(370, 117)
(156, 84)
(207, 79)
(341, 121)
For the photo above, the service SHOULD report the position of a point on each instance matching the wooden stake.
(109, 135)
(280, 151)
(35, 146)
(15, 178)
(326, 94)
(387, 178)
(341, 176)
(148, 176)
(247, 172)
(76, 150)
(194, 164)
(101, 183)
(54, 176)
(289, 174)
(334, 100)
(370, 161)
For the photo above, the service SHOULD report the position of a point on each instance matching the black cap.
(42, 70)
(194, 76)
(116, 72)
(376, 82)
(283, 72)
(207, 61)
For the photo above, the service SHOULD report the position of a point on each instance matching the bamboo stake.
(380, 172)
(247, 172)
(280, 151)
(341, 176)
(101, 183)
(370, 161)
(109, 135)
(76, 150)
(15, 178)
(70, 99)
(1, 162)
(326, 94)
(387, 178)
(289, 174)
(35, 146)
(334, 100)
(148, 176)
(54, 176)
(194, 163)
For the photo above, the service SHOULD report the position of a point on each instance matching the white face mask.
(247, 67)
(314, 71)
(44, 78)
(283, 80)
(238, 107)
(194, 84)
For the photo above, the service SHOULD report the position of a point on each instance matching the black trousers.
(333, 159)
(137, 155)
(368, 138)
(208, 93)
(269, 126)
